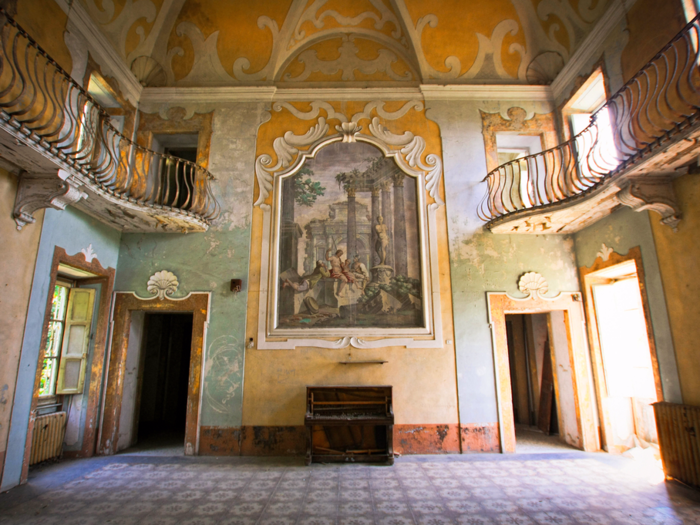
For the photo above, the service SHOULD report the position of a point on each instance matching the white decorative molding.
(533, 284)
(487, 92)
(407, 149)
(162, 284)
(44, 190)
(344, 93)
(88, 253)
(604, 252)
(105, 53)
(591, 46)
(656, 194)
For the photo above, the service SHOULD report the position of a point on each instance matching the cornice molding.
(221, 95)
(487, 92)
(206, 95)
(104, 52)
(591, 46)
(365, 94)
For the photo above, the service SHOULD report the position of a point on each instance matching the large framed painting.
(349, 258)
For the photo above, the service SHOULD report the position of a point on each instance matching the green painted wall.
(206, 262)
(480, 261)
(621, 231)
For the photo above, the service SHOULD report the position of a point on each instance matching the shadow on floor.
(165, 443)
(531, 440)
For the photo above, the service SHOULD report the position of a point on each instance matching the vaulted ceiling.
(340, 42)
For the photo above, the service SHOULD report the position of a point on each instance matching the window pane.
(53, 339)
(58, 304)
(48, 373)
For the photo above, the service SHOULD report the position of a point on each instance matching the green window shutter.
(76, 341)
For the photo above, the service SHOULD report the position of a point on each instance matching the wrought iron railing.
(47, 108)
(659, 103)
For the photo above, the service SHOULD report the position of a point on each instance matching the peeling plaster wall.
(678, 254)
(73, 231)
(481, 261)
(207, 262)
(621, 231)
(17, 260)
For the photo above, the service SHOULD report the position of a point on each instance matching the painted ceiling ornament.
(348, 62)
(88, 253)
(533, 284)
(604, 252)
(162, 284)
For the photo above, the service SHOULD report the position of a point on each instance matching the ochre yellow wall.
(651, 25)
(46, 22)
(423, 380)
(679, 261)
(17, 259)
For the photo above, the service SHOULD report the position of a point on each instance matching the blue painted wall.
(73, 231)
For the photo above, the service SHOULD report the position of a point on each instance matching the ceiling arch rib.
(350, 50)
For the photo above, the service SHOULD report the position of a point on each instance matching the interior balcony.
(68, 152)
(643, 137)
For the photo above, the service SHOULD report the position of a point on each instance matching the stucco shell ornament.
(162, 284)
(533, 284)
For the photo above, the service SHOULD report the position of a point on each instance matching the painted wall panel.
(73, 231)
(17, 260)
(621, 231)
(206, 262)
(481, 261)
(678, 255)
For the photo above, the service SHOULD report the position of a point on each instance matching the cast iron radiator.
(678, 427)
(349, 423)
(47, 439)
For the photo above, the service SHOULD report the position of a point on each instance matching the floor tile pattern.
(415, 491)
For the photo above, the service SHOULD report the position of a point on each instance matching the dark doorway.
(164, 380)
(532, 383)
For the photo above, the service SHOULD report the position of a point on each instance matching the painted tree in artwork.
(306, 191)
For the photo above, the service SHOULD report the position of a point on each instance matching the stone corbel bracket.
(655, 194)
(43, 190)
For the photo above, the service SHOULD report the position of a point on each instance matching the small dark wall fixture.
(236, 285)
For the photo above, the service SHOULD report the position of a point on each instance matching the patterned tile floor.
(567, 488)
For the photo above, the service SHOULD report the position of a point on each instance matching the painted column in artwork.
(352, 224)
(290, 231)
(387, 214)
(400, 253)
(376, 212)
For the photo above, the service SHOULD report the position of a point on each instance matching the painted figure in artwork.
(309, 281)
(382, 240)
(338, 269)
(360, 272)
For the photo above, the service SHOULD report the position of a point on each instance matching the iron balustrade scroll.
(42, 103)
(660, 102)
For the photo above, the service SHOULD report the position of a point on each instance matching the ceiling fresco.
(377, 42)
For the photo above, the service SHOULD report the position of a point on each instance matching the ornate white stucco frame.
(406, 150)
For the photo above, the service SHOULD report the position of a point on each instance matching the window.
(177, 179)
(514, 146)
(67, 340)
(54, 340)
(595, 149)
(180, 177)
